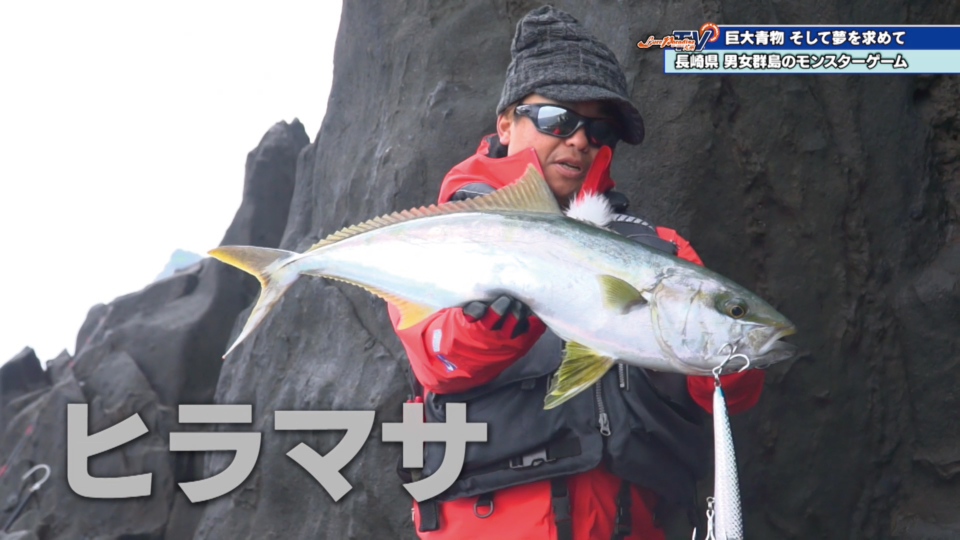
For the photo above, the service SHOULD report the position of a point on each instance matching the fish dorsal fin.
(580, 368)
(619, 295)
(530, 193)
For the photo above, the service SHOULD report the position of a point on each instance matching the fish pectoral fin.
(619, 295)
(580, 368)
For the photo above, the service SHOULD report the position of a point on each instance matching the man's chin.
(564, 188)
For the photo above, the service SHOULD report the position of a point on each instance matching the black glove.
(496, 312)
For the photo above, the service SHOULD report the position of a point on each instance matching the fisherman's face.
(565, 161)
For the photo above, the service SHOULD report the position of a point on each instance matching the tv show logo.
(685, 40)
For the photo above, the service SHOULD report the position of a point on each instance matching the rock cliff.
(835, 197)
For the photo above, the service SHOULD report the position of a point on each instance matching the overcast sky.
(124, 127)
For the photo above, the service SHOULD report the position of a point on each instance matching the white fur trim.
(591, 208)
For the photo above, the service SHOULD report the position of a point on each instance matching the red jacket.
(471, 354)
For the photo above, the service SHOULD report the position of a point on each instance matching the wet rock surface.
(835, 197)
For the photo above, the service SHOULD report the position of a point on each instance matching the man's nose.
(578, 139)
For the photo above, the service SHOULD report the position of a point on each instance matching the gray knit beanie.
(554, 56)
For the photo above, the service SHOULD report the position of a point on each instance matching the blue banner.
(836, 37)
(809, 49)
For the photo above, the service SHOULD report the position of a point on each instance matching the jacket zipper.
(604, 420)
(624, 376)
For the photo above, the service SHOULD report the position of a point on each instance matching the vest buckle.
(533, 459)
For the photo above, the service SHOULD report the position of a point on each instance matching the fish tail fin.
(268, 266)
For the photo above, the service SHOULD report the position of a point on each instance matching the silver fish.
(612, 299)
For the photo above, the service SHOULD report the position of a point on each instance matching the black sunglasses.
(562, 122)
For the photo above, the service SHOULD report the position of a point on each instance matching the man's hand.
(496, 313)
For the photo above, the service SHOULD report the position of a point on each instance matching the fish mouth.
(774, 350)
(774, 340)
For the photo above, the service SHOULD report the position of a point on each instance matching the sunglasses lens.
(560, 122)
(556, 121)
(602, 133)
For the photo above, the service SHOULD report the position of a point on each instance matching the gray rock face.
(144, 353)
(20, 378)
(835, 197)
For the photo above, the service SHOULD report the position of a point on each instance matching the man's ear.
(504, 126)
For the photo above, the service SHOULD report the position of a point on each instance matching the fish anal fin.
(580, 368)
(411, 312)
(619, 295)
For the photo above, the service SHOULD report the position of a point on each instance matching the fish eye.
(735, 308)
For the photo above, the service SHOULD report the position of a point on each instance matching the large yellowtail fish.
(610, 298)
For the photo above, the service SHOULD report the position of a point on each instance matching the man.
(597, 466)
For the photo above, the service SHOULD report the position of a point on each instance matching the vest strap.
(429, 515)
(622, 524)
(560, 501)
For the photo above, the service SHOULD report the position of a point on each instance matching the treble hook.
(710, 514)
(730, 356)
